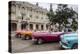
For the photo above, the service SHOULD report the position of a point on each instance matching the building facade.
(28, 16)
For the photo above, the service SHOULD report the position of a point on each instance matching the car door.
(48, 37)
(54, 37)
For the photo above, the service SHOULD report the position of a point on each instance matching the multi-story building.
(28, 16)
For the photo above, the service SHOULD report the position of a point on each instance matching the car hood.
(70, 36)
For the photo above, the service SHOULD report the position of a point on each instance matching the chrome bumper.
(63, 46)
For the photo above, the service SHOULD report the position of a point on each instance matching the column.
(40, 27)
(44, 27)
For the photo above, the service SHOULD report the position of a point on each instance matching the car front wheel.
(18, 36)
(27, 37)
(39, 41)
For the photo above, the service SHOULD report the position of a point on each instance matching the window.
(37, 27)
(30, 15)
(46, 26)
(23, 8)
(23, 25)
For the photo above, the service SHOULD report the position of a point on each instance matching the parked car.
(18, 33)
(27, 35)
(69, 41)
(41, 37)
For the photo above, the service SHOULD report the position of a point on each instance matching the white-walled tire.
(18, 36)
(39, 41)
(27, 37)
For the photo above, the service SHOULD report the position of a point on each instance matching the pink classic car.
(18, 33)
(40, 37)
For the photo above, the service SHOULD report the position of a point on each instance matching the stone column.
(40, 27)
(34, 26)
(44, 27)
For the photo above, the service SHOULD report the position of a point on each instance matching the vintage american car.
(69, 41)
(18, 33)
(40, 37)
(26, 35)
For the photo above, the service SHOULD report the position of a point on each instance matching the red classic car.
(18, 33)
(40, 37)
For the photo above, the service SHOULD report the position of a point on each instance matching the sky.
(54, 6)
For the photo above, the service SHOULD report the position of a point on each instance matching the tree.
(74, 24)
(63, 13)
(61, 16)
(51, 17)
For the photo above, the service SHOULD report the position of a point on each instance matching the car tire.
(75, 46)
(18, 36)
(39, 41)
(26, 37)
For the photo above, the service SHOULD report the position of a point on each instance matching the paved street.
(19, 45)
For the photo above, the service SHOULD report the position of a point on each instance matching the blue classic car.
(69, 41)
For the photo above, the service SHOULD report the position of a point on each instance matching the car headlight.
(61, 36)
(64, 41)
(67, 41)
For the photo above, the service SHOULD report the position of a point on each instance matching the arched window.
(46, 26)
(23, 25)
